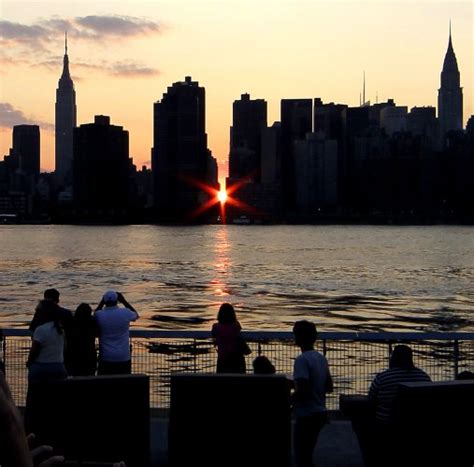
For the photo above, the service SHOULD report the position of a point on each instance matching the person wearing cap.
(113, 322)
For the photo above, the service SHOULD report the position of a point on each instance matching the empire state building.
(65, 123)
(450, 93)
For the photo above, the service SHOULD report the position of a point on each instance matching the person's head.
(402, 357)
(263, 366)
(305, 333)
(226, 314)
(110, 298)
(465, 375)
(47, 311)
(83, 312)
(52, 295)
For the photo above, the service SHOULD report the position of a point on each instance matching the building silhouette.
(102, 171)
(296, 121)
(181, 163)
(450, 98)
(26, 147)
(65, 121)
(249, 118)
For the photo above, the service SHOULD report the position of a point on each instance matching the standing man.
(114, 337)
(312, 381)
(63, 316)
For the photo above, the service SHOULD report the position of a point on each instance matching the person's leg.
(306, 434)
(115, 368)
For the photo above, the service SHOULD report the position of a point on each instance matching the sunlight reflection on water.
(346, 278)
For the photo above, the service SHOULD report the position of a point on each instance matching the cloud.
(121, 69)
(132, 69)
(28, 44)
(87, 28)
(102, 26)
(9, 116)
(21, 32)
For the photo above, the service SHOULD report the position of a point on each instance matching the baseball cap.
(110, 296)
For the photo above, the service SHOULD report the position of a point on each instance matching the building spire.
(66, 76)
(363, 94)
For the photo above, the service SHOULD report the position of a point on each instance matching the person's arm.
(301, 381)
(373, 390)
(121, 299)
(302, 390)
(100, 305)
(34, 352)
(329, 382)
(13, 443)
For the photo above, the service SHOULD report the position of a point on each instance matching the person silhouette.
(263, 366)
(312, 380)
(227, 339)
(80, 346)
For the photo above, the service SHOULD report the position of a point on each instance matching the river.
(344, 278)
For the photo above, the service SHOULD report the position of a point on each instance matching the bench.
(431, 424)
(95, 418)
(229, 420)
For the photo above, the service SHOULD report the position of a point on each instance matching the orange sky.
(124, 54)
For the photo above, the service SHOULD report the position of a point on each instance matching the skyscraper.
(65, 122)
(450, 93)
(249, 119)
(26, 146)
(179, 153)
(101, 170)
(296, 123)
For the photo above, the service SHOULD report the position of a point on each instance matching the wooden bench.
(229, 420)
(97, 418)
(431, 425)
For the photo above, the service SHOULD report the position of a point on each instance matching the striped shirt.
(384, 388)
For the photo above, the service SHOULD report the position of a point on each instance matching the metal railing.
(354, 358)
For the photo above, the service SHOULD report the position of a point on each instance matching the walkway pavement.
(337, 445)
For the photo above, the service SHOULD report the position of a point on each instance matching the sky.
(123, 56)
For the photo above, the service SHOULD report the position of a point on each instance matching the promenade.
(337, 445)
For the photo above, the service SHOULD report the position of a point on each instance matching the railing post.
(324, 347)
(259, 348)
(4, 352)
(390, 349)
(195, 355)
(456, 358)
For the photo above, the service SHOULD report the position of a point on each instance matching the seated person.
(384, 386)
(263, 366)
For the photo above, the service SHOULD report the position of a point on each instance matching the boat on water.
(242, 220)
(8, 218)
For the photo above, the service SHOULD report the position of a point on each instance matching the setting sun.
(222, 196)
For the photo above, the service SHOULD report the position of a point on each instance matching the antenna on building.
(65, 42)
(377, 97)
(363, 91)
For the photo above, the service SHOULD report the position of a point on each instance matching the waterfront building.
(249, 118)
(102, 170)
(450, 97)
(296, 121)
(316, 175)
(180, 158)
(421, 121)
(26, 147)
(393, 119)
(65, 122)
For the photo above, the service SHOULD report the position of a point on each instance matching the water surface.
(345, 278)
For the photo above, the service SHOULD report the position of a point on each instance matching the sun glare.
(222, 196)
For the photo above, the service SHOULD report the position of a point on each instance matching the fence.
(354, 358)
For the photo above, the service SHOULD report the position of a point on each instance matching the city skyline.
(101, 90)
